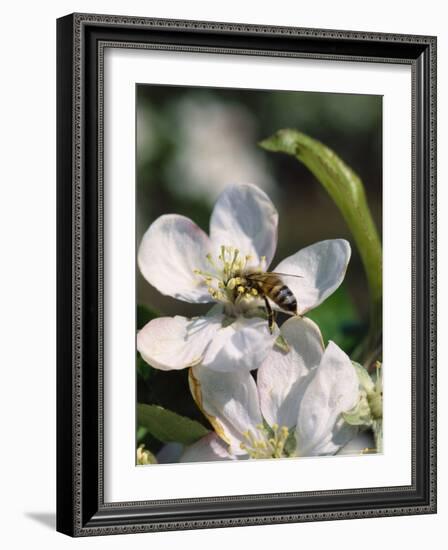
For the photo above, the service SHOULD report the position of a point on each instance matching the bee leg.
(271, 315)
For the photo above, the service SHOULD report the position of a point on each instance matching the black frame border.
(81, 40)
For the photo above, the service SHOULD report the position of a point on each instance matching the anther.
(231, 284)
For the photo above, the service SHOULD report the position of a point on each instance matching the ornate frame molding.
(81, 42)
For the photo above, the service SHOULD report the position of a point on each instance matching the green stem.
(347, 191)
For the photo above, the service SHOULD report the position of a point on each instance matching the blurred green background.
(192, 142)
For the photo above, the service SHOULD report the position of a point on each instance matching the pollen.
(231, 284)
(225, 275)
(266, 442)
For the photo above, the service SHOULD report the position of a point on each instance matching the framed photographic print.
(246, 274)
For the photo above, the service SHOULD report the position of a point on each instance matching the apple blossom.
(182, 261)
(368, 411)
(294, 408)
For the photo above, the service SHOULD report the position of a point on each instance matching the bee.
(270, 286)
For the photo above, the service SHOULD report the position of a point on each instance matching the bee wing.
(266, 277)
(270, 274)
(285, 274)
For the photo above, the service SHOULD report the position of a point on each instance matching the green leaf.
(167, 426)
(141, 433)
(144, 315)
(347, 191)
(170, 390)
(143, 369)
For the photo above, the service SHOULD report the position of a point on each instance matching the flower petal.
(322, 268)
(242, 345)
(245, 218)
(284, 376)
(173, 343)
(229, 400)
(334, 389)
(209, 448)
(170, 250)
(170, 452)
(341, 434)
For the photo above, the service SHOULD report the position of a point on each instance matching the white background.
(27, 215)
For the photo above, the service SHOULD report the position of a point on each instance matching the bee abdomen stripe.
(281, 292)
(290, 305)
(285, 298)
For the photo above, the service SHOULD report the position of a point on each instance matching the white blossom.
(181, 260)
(295, 408)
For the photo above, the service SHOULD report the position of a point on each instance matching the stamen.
(205, 274)
(226, 280)
(266, 443)
(231, 284)
(235, 256)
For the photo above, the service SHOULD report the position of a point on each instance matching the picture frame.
(81, 506)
